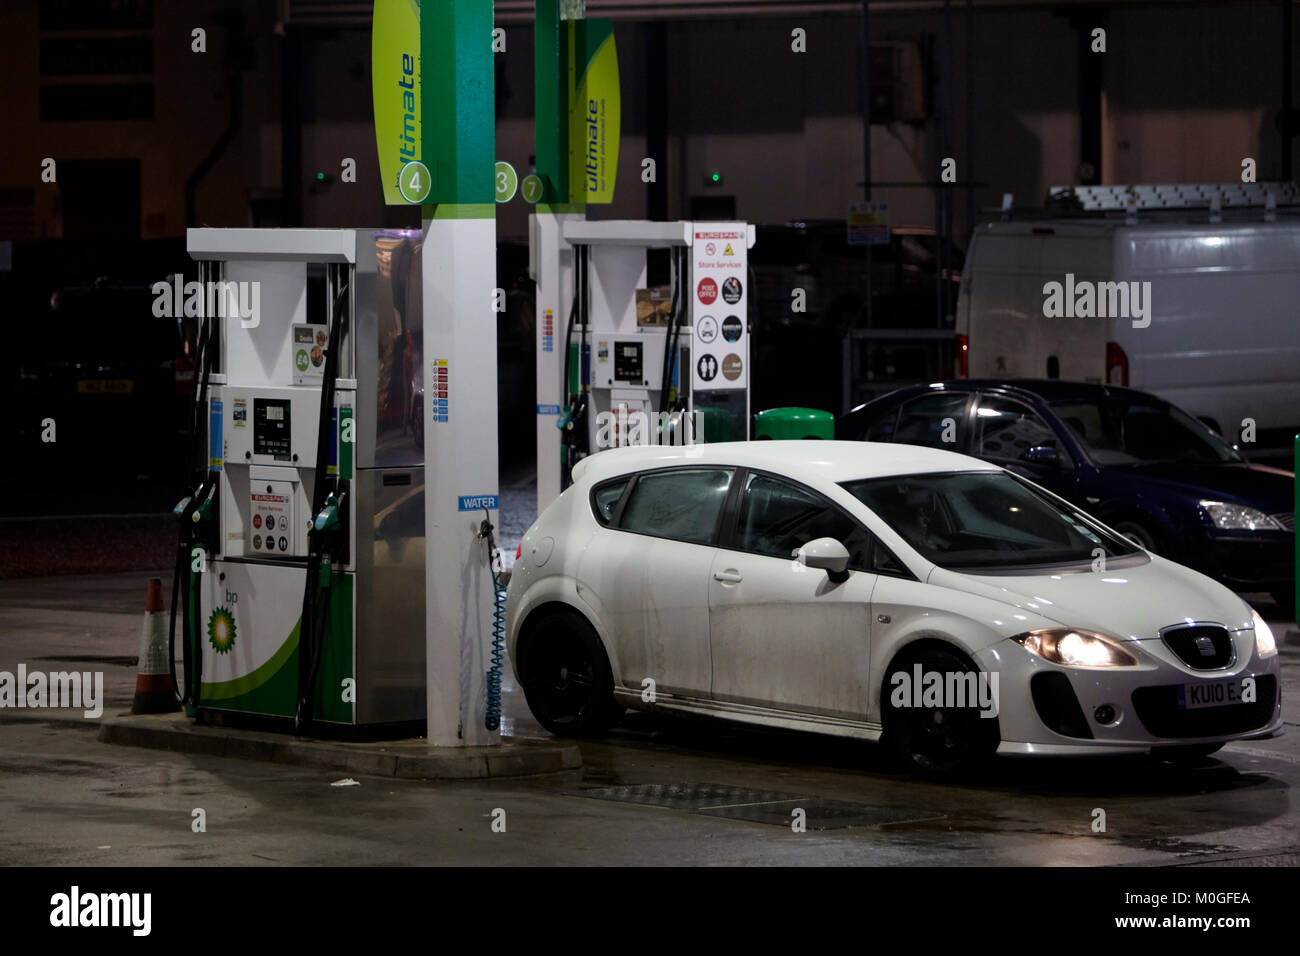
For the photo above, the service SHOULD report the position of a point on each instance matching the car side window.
(683, 504)
(882, 429)
(937, 420)
(778, 516)
(1008, 429)
(605, 498)
(884, 562)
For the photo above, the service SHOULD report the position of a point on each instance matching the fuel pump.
(300, 568)
(630, 375)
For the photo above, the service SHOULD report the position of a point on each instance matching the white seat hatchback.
(936, 602)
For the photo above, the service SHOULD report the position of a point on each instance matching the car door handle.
(727, 577)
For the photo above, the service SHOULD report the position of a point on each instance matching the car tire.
(1137, 533)
(1186, 754)
(566, 677)
(937, 743)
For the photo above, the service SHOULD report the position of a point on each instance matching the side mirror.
(827, 554)
(1044, 455)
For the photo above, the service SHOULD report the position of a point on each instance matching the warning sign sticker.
(440, 399)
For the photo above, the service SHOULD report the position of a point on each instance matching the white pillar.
(460, 454)
(553, 258)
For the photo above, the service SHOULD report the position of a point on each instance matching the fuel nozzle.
(203, 513)
(328, 518)
(330, 526)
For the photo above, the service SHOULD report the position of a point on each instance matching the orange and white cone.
(153, 682)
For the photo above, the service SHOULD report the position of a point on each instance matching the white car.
(933, 601)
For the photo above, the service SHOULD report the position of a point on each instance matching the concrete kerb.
(407, 759)
(411, 759)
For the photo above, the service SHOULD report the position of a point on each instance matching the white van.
(1221, 332)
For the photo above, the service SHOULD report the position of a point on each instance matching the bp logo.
(221, 630)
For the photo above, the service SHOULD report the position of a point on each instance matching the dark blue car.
(1145, 467)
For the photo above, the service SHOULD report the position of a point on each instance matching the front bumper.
(1246, 562)
(1050, 709)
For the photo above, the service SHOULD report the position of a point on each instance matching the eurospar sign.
(719, 254)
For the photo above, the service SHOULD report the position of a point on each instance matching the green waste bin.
(781, 423)
(718, 424)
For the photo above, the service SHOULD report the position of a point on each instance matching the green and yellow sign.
(577, 108)
(433, 95)
(395, 89)
(594, 108)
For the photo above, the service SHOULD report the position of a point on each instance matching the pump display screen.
(627, 362)
(271, 431)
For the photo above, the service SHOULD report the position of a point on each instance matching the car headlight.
(1076, 648)
(1228, 517)
(1265, 642)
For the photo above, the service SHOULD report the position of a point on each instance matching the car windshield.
(1121, 431)
(977, 521)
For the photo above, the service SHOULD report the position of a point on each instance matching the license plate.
(1219, 693)
(104, 386)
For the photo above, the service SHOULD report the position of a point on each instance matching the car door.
(1005, 431)
(785, 636)
(650, 567)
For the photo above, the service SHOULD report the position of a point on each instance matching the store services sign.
(720, 352)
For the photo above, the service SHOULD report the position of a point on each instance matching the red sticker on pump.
(707, 291)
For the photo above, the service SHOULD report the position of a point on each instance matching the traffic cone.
(153, 682)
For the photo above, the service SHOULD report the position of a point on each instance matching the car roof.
(1050, 390)
(806, 459)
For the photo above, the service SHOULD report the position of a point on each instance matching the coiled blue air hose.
(492, 719)
(492, 711)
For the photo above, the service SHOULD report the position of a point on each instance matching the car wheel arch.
(916, 646)
(1155, 521)
(553, 605)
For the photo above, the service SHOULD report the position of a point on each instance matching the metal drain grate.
(685, 796)
(821, 814)
(757, 806)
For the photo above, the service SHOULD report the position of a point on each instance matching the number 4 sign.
(414, 182)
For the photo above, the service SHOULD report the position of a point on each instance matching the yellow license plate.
(104, 386)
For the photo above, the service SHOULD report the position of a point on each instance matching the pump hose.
(672, 336)
(205, 343)
(312, 623)
(573, 419)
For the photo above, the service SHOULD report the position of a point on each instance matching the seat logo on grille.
(1205, 645)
